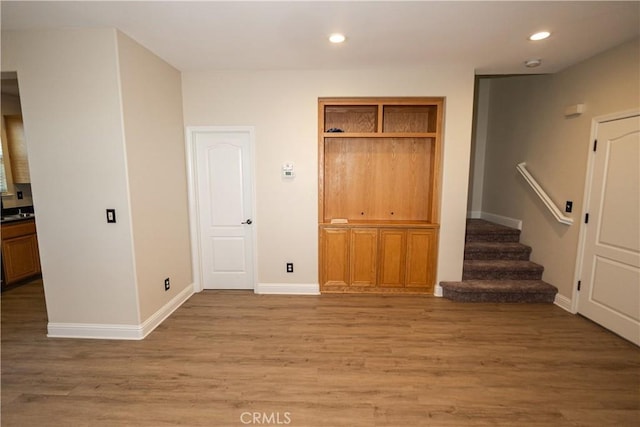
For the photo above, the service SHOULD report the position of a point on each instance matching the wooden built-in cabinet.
(355, 259)
(20, 256)
(379, 192)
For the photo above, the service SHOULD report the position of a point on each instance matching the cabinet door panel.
(363, 255)
(421, 258)
(392, 258)
(335, 256)
(21, 258)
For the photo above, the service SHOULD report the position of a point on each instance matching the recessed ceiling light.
(539, 36)
(532, 63)
(337, 38)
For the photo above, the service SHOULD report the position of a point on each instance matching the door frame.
(192, 184)
(595, 123)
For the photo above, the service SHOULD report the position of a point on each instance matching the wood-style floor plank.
(330, 360)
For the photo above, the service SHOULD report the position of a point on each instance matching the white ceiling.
(490, 36)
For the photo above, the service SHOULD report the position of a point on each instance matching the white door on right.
(610, 277)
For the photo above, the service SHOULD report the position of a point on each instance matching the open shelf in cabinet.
(351, 118)
(409, 119)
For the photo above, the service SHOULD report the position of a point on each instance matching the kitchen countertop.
(17, 217)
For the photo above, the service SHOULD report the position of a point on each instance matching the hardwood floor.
(332, 360)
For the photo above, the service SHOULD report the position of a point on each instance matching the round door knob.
(248, 221)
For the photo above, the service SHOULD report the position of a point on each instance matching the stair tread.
(500, 286)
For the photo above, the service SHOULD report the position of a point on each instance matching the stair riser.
(491, 237)
(498, 297)
(489, 255)
(498, 274)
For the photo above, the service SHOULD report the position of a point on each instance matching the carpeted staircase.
(497, 268)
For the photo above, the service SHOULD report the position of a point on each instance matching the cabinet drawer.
(17, 229)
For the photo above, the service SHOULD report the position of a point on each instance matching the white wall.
(72, 117)
(527, 123)
(154, 134)
(282, 105)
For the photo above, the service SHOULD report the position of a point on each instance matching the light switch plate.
(111, 216)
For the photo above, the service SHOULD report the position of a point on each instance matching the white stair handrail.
(557, 213)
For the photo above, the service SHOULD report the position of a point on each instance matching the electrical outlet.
(289, 267)
(19, 195)
(167, 284)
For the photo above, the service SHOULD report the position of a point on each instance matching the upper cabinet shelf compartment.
(363, 117)
(409, 119)
(351, 118)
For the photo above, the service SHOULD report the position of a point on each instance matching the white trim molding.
(165, 311)
(500, 219)
(474, 214)
(288, 288)
(94, 331)
(119, 332)
(437, 290)
(564, 303)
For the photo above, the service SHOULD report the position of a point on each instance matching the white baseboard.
(94, 331)
(159, 316)
(437, 290)
(288, 288)
(119, 332)
(474, 214)
(502, 220)
(564, 303)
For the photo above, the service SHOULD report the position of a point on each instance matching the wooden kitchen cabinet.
(379, 193)
(20, 256)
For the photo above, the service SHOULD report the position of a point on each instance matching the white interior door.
(225, 208)
(610, 277)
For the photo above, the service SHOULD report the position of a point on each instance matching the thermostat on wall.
(287, 171)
